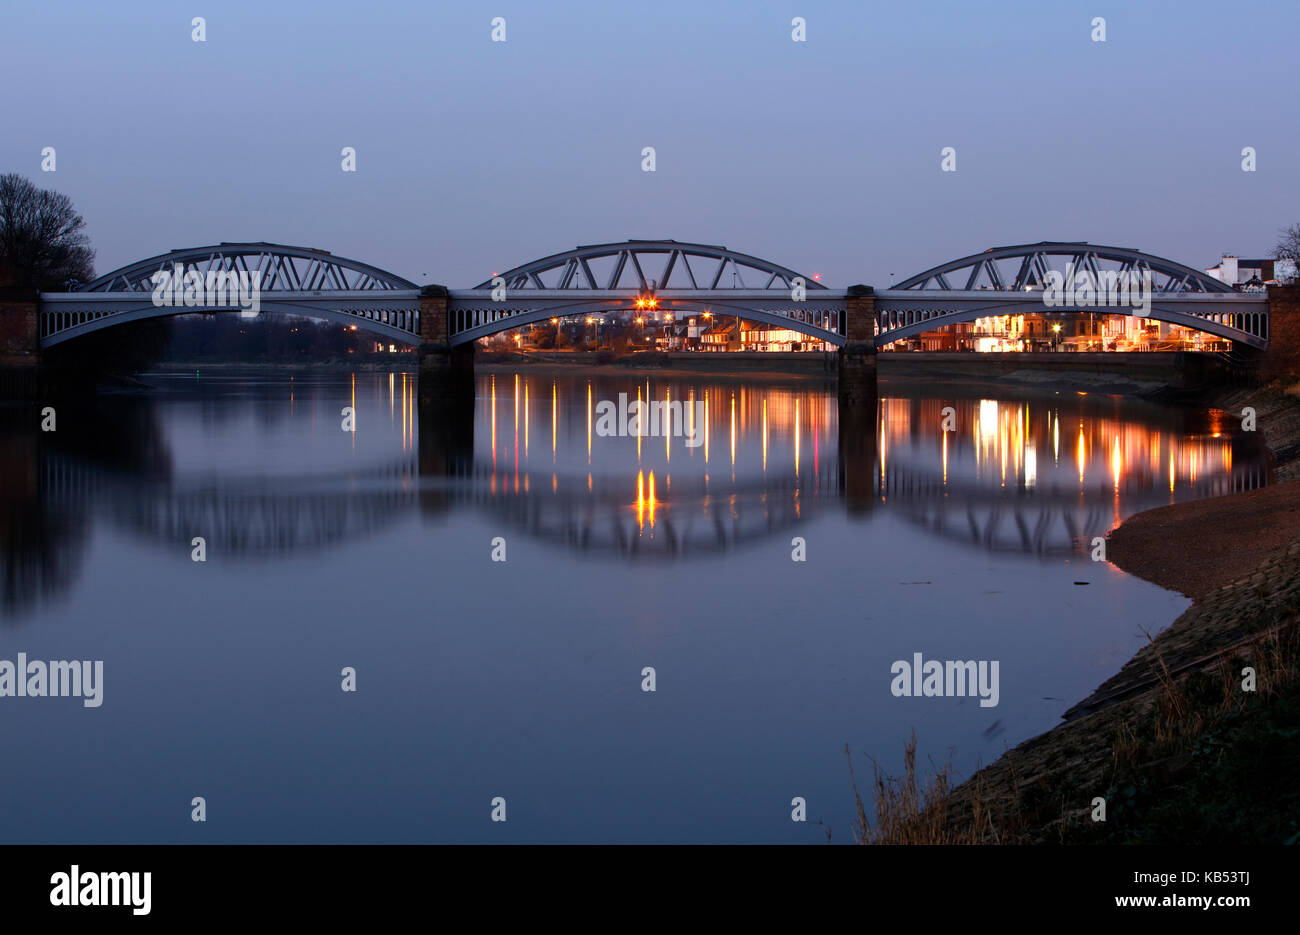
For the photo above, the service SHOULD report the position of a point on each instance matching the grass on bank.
(1198, 760)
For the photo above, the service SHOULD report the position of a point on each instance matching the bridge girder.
(905, 313)
(473, 314)
(315, 283)
(391, 315)
(284, 269)
(985, 270)
(628, 266)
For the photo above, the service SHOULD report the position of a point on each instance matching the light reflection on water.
(372, 549)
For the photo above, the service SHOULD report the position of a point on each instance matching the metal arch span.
(284, 269)
(293, 280)
(393, 316)
(906, 313)
(473, 314)
(685, 278)
(987, 270)
(651, 264)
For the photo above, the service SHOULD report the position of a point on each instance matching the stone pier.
(445, 371)
(1281, 359)
(20, 343)
(858, 356)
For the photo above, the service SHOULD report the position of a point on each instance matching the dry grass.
(1157, 741)
(911, 809)
(1178, 719)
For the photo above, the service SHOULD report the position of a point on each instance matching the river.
(501, 579)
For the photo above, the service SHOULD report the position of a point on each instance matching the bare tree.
(1288, 247)
(41, 240)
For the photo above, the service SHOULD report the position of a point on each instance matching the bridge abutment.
(445, 371)
(20, 343)
(1281, 359)
(857, 358)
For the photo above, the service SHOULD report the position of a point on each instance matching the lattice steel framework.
(294, 280)
(683, 277)
(646, 265)
(1029, 264)
(1011, 281)
(284, 269)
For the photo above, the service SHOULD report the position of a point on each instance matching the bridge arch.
(627, 266)
(1011, 281)
(683, 277)
(284, 268)
(291, 280)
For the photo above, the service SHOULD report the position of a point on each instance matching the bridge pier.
(1281, 359)
(859, 434)
(446, 372)
(445, 449)
(20, 343)
(857, 358)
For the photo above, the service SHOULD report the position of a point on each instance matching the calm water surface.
(522, 678)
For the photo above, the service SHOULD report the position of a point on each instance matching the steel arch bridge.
(1011, 281)
(294, 280)
(681, 277)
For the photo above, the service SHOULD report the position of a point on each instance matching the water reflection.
(261, 467)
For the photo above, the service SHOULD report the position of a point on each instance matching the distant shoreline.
(1041, 376)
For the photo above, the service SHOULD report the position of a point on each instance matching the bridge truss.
(1013, 281)
(682, 278)
(293, 280)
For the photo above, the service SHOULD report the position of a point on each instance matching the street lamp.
(1056, 335)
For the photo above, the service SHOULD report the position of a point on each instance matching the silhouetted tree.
(1288, 247)
(41, 240)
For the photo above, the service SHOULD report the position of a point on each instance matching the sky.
(473, 156)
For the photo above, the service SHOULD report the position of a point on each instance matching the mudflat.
(1198, 547)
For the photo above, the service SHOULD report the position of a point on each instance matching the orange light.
(640, 321)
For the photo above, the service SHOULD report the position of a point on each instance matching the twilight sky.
(824, 155)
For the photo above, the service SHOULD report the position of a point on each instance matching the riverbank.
(1194, 739)
(1165, 377)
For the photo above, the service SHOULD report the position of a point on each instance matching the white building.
(1242, 273)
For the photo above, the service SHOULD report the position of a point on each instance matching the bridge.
(294, 280)
(1013, 280)
(667, 276)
